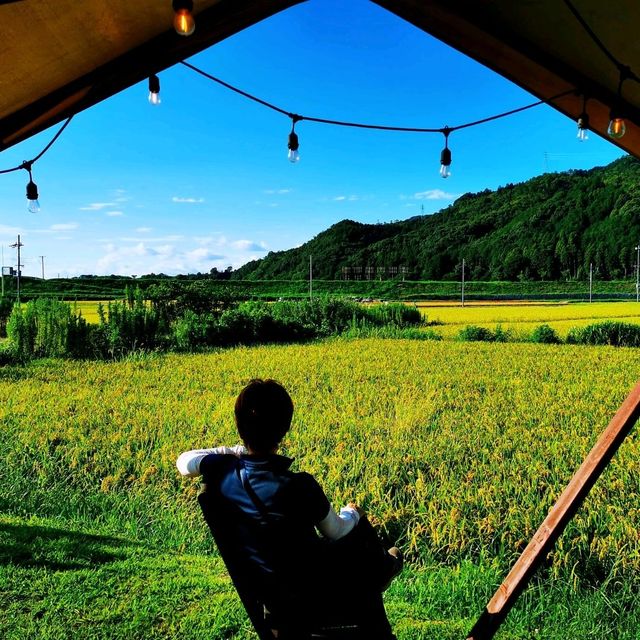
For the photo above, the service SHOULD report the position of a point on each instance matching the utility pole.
(310, 277)
(591, 282)
(3, 271)
(42, 262)
(463, 264)
(17, 245)
(638, 273)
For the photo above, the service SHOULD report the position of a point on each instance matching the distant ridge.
(548, 228)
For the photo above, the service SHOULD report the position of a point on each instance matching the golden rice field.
(456, 449)
(522, 318)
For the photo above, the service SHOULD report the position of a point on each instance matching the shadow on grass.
(27, 545)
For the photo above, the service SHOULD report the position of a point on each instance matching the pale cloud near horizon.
(143, 229)
(115, 214)
(175, 254)
(187, 200)
(68, 226)
(435, 194)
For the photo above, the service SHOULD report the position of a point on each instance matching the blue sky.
(202, 180)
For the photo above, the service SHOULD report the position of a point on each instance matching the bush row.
(50, 328)
(617, 334)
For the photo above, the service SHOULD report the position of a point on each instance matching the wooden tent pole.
(557, 519)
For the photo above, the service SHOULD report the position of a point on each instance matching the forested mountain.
(548, 228)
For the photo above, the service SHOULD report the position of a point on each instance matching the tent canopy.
(62, 56)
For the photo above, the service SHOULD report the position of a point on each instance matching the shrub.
(6, 306)
(473, 333)
(46, 327)
(616, 334)
(544, 334)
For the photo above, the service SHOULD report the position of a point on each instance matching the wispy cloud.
(280, 192)
(64, 227)
(169, 238)
(98, 206)
(346, 198)
(187, 200)
(115, 214)
(435, 194)
(143, 229)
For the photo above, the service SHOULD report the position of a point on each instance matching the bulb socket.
(32, 190)
(445, 157)
(583, 121)
(183, 4)
(154, 84)
(293, 141)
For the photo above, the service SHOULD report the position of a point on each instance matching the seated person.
(273, 515)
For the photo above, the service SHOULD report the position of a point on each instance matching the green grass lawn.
(57, 582)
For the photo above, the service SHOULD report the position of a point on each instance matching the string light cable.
(295, 117)
(32, 188)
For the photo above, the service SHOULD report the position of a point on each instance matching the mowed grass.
(457, 450)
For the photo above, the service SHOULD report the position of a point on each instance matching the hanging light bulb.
(583, 122)
(32, 191)
(154, 90)
(445, 156)
(183, 21)
(293, 144)
(617, 127)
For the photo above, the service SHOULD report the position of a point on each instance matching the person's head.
(263, 415)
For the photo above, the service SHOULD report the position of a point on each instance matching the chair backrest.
(245, 587)
(291, 621)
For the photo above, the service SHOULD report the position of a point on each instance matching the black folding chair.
(282, 611)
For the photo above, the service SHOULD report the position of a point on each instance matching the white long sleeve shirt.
(332, 526)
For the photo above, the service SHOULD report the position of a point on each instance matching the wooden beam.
(559, 516)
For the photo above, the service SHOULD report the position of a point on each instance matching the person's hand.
(361, 512)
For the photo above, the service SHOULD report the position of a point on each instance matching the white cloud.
(272, 192)
(170, 238)
(97, 206)
(203, 253)
(64, 227)
(62, 238)
(340, 198)
(143, 229)
(435, 194)
(249, 245)
(114, 214)
(187, 200)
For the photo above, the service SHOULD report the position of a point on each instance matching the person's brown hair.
(263, 414)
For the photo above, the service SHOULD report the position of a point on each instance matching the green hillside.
(548, 228)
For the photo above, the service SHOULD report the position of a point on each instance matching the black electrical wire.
(361, 125)
(624, 70)
(26, 165)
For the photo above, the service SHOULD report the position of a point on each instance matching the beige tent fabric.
(58, 57)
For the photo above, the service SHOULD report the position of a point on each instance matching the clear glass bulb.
(33, 206)
(582, 134)
(154, 98)
(445, 170)
(617, 127)
(184, 23)
(293, 155)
